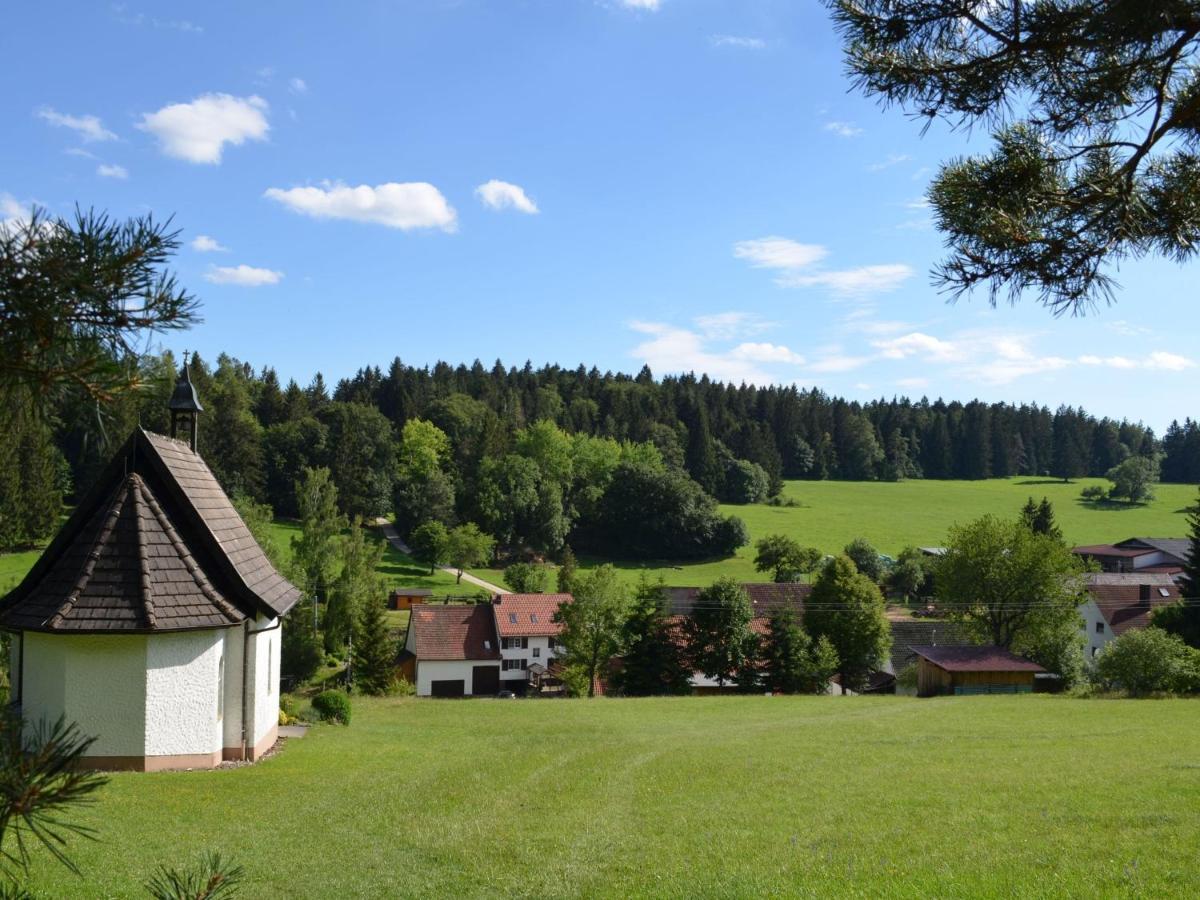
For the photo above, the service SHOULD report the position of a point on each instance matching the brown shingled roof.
(528, 615)
(1120, 597)
(765, 598)
(976, 659)
(454, 632)
(155, 546)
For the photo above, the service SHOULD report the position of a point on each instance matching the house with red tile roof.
(528, 635)
(1120, 602)
(452, 651)
(480, 650)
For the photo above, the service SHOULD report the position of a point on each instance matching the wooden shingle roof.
(156, 546)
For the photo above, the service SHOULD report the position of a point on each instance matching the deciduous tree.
(721, 643)
(846, 608)
(592, 624)
(652, 658)
(785, 558)
(468, 546)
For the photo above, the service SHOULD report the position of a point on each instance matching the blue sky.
(685, 183)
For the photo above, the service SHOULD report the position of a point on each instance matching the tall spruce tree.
(793, 662)
(721, 643)
(375, 650)
(1183, 619)
(652, 660)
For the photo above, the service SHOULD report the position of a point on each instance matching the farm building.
(407, 597)
(1122, 602)
(482, 649)
(152, 620)
(1161, 556)
(972, 670)
(452, 651)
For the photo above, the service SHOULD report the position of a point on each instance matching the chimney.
(1144, 594)
(185, 406)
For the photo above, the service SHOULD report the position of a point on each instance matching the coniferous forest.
(541, 458)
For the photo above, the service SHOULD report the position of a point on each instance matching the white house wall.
(97, 682)
(431, 670)
(181, 692)
(1095, 641)
(541, 643)
(264, 681)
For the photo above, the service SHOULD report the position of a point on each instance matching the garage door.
(485, 680)
(446, 688)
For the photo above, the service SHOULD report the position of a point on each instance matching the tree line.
(532, 455)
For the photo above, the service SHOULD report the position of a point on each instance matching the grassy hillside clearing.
(892, 515)
(738, 796)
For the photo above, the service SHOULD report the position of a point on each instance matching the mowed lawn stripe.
(955, 797)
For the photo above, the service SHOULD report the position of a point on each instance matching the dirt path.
(393, 537)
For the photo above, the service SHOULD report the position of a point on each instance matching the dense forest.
(544, 457)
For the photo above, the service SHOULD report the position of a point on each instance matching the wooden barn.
(408, 597)
(973, 670)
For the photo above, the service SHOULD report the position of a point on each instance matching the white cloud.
(503, 195)
(766, 353)
(243, 275)
(1112, 362)
(198, 131)
(90, 128)
(843, 129)
(858, 282)
(297, 86)
(893, 159)
(733, 40)
(672, 349)
(112, 171)
(12, 212)
(1127, 329)
(925, 346)
(728, 325)
(80, 152)
(779, 253)
(792, 259)
(1170, 362)
(651, 5)
(202, 243)
(405, 206)
(835, 363)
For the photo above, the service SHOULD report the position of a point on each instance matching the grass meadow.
(1032, 796)
(892, 515)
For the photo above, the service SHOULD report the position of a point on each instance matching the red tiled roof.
(976, 659)
(528, 615)
(1119, 597)
(454, 632)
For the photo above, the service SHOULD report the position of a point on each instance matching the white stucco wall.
(544, 657)
(1096, 641)
(431, 670)
(96, 681)
(182, 676)
(231, 718)
(264, 679)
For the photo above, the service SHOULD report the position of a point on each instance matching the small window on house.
(1099, 628)
(487, 645)
(1163, 592)
(512, 618)
(533, 618)
(537, 651)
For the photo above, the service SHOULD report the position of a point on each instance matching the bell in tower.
(185, 407)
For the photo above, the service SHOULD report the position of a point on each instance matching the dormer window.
(512, 618)
(533, 618)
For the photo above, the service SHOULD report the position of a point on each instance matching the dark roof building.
(1162, 555)
(153, 618)
(155, 546)
(973, 670)
(1128, 600)
(910, 633)
(765, 598)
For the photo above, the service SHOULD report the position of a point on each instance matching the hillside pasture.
(893, 515)
(689, 797)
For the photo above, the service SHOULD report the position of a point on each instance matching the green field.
(892, 515)
(733, 796)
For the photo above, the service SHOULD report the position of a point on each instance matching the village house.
(1121, 602)
(152, 620)
(465, 651)
(1161, 556)
(973, 670)
(765, 599)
